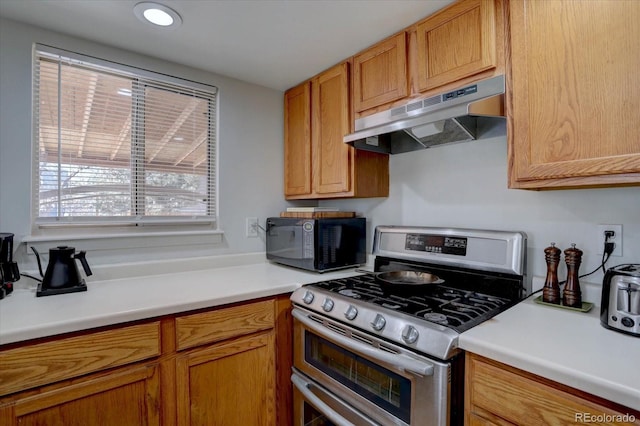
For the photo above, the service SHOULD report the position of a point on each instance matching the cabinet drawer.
(36, 365)
(525, 401)
(206, 327)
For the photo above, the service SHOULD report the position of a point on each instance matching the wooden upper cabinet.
(380, 73)
(330, 123)
(457, 42)
(297, 137)
(575, 94)
(326, 167)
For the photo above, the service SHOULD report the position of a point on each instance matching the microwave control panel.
(437, 244)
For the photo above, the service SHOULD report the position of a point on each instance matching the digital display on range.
(436, 244)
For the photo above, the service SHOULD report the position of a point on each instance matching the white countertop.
(565, 346)
(568, 347)
(24, 316)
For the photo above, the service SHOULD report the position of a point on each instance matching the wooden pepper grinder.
(551, 290)
(571, 295)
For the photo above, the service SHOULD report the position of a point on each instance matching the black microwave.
(317, 244)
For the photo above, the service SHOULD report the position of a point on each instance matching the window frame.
(134, 222)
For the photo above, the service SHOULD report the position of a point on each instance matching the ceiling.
(273, 43)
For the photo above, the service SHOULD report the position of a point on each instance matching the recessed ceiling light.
(157, 14)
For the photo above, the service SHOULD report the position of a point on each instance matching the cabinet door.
(333, 158)
(456, 43)
(509, 395)
(297, 140)
(128, 397)
(380, 74)
(231, 383)
(575, 93)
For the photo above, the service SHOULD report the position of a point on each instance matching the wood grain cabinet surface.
(211, 367)
(125, 397)
(455, 43)
(214, 326)
(380, 73)
(230, 378)
(336, 169)
(496, 394)
(297, 140)
(231, 383)
(575, 94)
(38, 364)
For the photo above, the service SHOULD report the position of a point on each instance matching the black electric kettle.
(62, 274)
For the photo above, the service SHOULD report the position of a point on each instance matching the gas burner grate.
(440, 304)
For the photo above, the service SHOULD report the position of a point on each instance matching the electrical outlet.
(616, 238)
(252, 227)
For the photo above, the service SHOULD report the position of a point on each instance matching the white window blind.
(115, 144)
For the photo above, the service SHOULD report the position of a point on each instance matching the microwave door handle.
(400, 361)
(303, 387)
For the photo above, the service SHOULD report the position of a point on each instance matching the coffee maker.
(9, 272)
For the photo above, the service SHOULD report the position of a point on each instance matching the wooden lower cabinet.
(128, 397)
(231, 383)
(211, 367)
(497, 394)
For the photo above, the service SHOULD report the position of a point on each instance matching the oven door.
(313, 405)
(392, 385)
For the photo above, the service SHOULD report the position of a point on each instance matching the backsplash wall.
(465, 185)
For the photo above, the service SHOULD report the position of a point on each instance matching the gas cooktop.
(440, 304)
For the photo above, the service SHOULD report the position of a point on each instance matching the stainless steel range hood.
(468, 113)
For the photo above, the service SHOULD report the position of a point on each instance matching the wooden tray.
(586, 306)
(318, 215)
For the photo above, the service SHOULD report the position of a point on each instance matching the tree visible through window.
(114, 144)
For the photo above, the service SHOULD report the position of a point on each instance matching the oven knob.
(410, 334)
(327, 305)
(351, 312)
(308, 297)
(378, 322)
(627, 322)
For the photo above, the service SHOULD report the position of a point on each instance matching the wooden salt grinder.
(571, 295)
(551, 290)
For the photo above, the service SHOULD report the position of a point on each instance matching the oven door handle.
(399, 361)
(303, 387)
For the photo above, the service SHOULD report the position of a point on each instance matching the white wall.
(461, 185)
(465, 185)
(250, 146)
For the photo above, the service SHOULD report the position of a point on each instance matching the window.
(116, 144)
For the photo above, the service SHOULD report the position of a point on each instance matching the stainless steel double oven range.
(381, 348)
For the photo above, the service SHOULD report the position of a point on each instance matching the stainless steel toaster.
(620, 303)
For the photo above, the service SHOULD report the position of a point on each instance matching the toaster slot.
(628, 298)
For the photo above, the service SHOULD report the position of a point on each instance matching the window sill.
(115, 241)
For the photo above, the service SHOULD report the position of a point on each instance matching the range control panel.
(437, 244)
(460, 92)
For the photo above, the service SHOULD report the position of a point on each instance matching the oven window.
(383, 387)
(313, 417)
